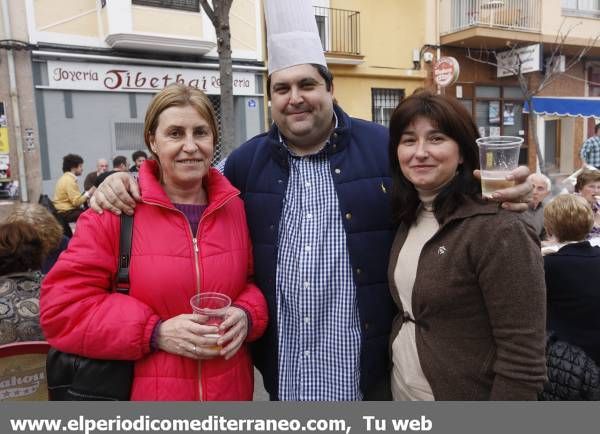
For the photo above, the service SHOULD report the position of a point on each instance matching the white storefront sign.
(528, 57)
(135, 78)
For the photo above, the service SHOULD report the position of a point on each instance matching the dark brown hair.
(20, 248)
(451, 118)
(48, 228)
(586, 176)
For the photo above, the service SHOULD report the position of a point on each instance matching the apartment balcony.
(339, 30)
(489, 23)
(145, 25)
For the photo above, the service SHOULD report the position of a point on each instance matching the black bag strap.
(124, 254)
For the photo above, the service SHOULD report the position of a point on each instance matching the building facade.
(95, 65)
(490, 38)
(373, 49)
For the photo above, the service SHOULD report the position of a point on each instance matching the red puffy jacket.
(79, 315)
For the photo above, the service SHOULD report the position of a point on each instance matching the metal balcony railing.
(339, 30)
(520, 15)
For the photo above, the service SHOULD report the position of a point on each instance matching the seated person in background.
(588, 187)
(572, 275)
(68, 200)
(49, 229)
(138, 158)
(101, 167)
(119, 165)
(541, 190)
(21, 253)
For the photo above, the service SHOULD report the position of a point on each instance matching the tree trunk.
(219, 17)
(223, 33)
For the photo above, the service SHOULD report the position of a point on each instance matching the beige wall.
(243, 22)
(354, 93)
(166, 22)
(582, 28)
(67, 16)
(389, 31)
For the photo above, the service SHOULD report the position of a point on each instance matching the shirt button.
(279, 181)
(309, 216)
(306, 320)
(307, 184)
(307, 284)
(358, 271)
(348, 216)
(307, 247)
(337, 171)
(306, 353)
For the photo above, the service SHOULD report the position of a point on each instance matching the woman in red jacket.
(190, 236)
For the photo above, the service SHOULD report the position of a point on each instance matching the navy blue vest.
(360, 170)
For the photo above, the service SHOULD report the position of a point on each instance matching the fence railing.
(339, 30)
(521, 15)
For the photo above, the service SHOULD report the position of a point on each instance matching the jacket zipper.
(197, 265)
(197, 271)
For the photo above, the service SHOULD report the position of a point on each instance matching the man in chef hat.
(315, 192)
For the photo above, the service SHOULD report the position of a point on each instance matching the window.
(581, 7)
(383, 103)
(322, 29)
(498, 110)
(182, 5)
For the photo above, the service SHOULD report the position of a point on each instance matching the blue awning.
(565, 106)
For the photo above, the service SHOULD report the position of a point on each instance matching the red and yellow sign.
(445, 71)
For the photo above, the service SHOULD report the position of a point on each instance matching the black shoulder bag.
(77, 378)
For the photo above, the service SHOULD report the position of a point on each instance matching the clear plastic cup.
(498, 156)
(213, 306)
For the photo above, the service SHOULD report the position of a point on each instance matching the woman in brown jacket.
(467, 275)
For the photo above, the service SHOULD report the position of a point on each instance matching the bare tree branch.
(210, 12)
(550, 74)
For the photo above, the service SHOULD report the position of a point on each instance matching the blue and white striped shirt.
(319, 334)
(590, 151)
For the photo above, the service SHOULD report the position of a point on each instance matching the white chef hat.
(292, 35)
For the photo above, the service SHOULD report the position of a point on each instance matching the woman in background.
(50, 230)
(588, 187)
(573, 275)
(20, 279)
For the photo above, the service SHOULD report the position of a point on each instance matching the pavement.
(260, 394)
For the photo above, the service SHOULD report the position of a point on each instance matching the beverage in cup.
(498, 156)
(213, 306)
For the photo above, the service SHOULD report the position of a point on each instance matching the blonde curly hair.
(48, 228)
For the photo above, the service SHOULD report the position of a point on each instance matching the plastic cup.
(498, 156)
(213, 306)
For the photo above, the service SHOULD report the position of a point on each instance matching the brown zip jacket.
(479, 301)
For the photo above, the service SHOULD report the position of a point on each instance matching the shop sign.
(445, 71)
(134, 78)
(523, 60)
